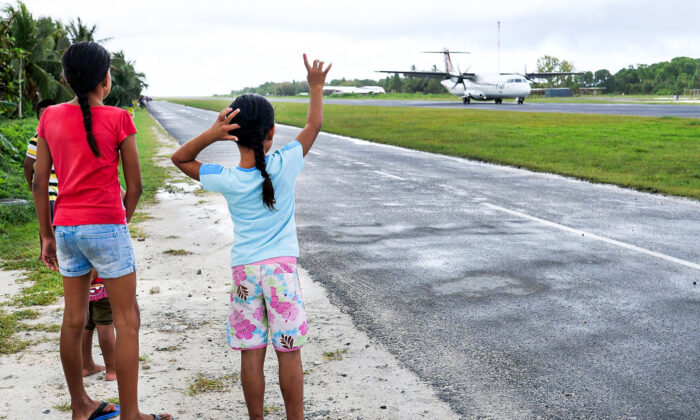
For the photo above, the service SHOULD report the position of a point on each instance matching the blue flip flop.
(100, 414)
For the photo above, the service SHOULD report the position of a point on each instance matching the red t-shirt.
(90, 190)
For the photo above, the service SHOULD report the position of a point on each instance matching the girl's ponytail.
(87, 121)
(85, 65)
(268, 191)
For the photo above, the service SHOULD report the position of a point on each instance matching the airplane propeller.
(459, 79)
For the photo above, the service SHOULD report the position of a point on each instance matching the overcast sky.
(203, 47)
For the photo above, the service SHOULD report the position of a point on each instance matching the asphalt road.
(514, 294)
(643, 110)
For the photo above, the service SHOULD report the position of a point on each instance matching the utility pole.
(20, 87)
(498, 51)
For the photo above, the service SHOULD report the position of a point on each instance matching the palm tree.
(78, 31)
(127, 83)
(38, 44)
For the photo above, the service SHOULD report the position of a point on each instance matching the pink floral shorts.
(266, 302)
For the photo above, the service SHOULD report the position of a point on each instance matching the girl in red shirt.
(85, 141)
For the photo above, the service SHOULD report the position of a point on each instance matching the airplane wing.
(429, 74)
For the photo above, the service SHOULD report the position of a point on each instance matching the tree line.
(32, 47)
(664, 78)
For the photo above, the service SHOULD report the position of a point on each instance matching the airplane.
(481, 87)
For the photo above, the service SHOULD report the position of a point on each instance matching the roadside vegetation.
(19, 237)
(34, 46)
(649, 154)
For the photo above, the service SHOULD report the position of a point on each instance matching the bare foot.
(110, 375)
(91, 370)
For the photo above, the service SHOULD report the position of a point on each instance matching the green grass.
(272, 409)
(8, 327)
(176, 252)
(334, 355)
(603, 99)
(203, 384)
(63, 407)
(645, 153)
(152, 175)
(19, 243)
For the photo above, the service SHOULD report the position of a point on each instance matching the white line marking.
(314, 152)
(390, 175)
(596, 237)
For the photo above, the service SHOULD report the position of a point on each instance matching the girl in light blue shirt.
(266, 302)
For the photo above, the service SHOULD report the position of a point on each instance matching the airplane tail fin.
(449, 67)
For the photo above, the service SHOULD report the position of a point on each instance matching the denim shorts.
(106, 248)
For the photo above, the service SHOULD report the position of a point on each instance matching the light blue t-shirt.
(259, 233)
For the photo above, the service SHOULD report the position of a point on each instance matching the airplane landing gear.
(520, 101)
(498, 101)
(466, 100)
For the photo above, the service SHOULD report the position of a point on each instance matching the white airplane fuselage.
(484, 87)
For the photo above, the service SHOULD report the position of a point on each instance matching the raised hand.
(221, 127)
(315, 74)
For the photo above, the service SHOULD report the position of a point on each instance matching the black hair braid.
(87, 121)
(256, 119)
(85, 66)
(268, 191)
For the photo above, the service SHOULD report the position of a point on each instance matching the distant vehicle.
(362, 90)
(482, 86)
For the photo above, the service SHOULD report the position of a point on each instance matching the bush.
(15, 214)
(14, 136)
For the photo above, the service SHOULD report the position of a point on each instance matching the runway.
(514, 294)
(632, 109)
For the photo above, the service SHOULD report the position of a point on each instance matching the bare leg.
(253, 380)
(89, 366)
(127, 321)
(75, 291)
(292, 383)
(105, 336)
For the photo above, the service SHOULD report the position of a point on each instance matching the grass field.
(601, 99)
(19, 246)
(648, 154)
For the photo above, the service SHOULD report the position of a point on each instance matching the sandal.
(100, 414)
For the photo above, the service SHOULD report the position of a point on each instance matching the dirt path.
(183, 301)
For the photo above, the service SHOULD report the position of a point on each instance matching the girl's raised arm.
(132, 174)
(316, 77)
(185, 158)
(40, 190)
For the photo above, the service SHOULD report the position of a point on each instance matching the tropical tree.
(127, 83)
(9, 88)
(79, 31)
(38, 58)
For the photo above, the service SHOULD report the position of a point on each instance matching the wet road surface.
(642, 110)
(515, 294)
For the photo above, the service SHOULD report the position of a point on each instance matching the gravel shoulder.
(183, 301)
